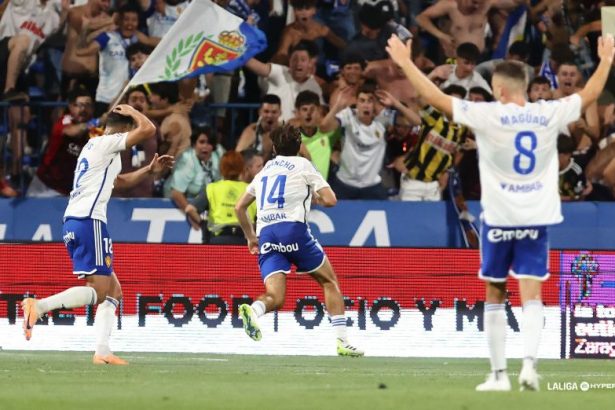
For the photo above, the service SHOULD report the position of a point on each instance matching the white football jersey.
(97, 167)
(283, 190)
(517, 156)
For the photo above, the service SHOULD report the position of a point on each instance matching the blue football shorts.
(288, 243)
(521, 252)
(89, 246)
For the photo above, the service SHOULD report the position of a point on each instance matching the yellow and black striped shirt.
(438, 141)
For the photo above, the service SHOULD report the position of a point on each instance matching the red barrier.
(195, 271)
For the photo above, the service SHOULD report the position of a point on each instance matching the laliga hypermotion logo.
(584, 267)
(229, 46)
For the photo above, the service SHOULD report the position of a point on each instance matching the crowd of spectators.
(325, 70)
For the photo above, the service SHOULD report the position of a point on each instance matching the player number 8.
(526, 166)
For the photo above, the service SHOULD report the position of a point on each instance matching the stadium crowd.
(325, 70)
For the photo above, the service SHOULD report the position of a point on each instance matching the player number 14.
(275, 195)
(525, 160)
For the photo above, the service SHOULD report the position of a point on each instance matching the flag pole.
(119, 97)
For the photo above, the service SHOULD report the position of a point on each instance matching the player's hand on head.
(399, 52)
(606, 48)
(124, 109)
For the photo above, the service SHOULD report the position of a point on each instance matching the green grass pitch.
(68, 380)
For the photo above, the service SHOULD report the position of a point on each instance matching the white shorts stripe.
(97, 247)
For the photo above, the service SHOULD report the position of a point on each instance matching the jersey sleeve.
(468, 113)
(251, 189)
(313, 178)
(569, 110)
(344, 117)
(276, 75)
(113, 143)
(102, 39)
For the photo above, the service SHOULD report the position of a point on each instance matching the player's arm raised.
(241, 209)
(342, 100)
(402, 55)
(131, 179)
(595, 84)
(144, 128)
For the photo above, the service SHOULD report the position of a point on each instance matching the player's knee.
(116, 294)
(101, 295)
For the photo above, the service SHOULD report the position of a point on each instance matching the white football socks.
(258, 307)
(339, 324)
(104, 322)
(495, 328)
(531, 327)
(70, 298)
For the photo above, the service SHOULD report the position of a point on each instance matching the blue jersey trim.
(304, 207)
(101, 188)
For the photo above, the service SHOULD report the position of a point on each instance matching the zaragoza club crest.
(204, 51)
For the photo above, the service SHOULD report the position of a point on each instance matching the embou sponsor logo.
(279, 247)
(498, 235)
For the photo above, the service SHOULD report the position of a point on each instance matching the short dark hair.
(561, 52)
(286, 140)
(204, 129)
(353, 58)
(128, 8)
(307, 97)
(249, 154)
(519, 48)
(303, 4)
(271, 99)
(565, 144)
(372, 16)
(455, 89)
(116, 120)
(568, 62)
(166, 90)
(368, 87)
(468, 51)
(308, 46)
(480, 90)
(512, 70)
(76, 92)
(136, 48)
(541, 80)
(137, 89)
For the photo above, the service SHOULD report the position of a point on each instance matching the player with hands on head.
(85, 233)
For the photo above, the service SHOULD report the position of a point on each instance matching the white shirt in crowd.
(474, 80)
(98, 166)
(31, 17)
(518, 161)
(281, 83)
(158, 24)
(113, 66)
(283, 190)
(363, 148)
